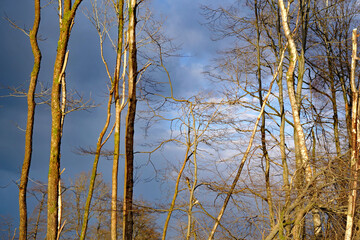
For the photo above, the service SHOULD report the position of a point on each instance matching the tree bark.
(30, 123)
(130, 122)
(118, 108)
(299, 138)
(56, 115)
(354, 144)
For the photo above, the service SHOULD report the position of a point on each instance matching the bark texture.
(299, 138)
(30, 123)
(354, 144)
(118, 109)
(130, 121)
(56, 115)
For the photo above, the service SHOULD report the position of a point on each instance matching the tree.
(66, 19)
(119, 106)
(129, 128)
(299, 141)
(354, 143)
(30, 123)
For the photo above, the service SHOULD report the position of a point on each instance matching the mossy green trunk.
(56, 128)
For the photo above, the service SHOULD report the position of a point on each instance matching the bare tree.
(66, 17)
(354, 143)
(30, 123)
(119, 105)
(129, 129)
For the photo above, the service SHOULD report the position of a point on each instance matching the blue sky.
(85, 73)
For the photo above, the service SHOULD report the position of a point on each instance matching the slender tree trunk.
(114, 91)
(56, 115)
(29, 124)
(118, 108)
(192, 186)
(299, 138)
(37, 223)
(130, 122)
(300, 170)
(334, 106)
(99, 146)
(263, 119)
(343, 50)
(354, 143)
(285, 173)
(172, 205)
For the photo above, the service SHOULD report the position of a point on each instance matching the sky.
(183, 22)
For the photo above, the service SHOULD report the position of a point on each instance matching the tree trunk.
(263, 119)
(299, 138)
(99, 145)
(130, 122)
(172, 205)
(29, 124)
(285, 173)
(118, 109)
(192, 186)
(56, 115)
(354, 144)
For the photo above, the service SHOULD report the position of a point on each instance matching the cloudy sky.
(85, 73)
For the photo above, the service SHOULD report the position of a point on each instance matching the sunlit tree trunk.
(118, 108)
(277, 48)
(299, 138)
(176, 191)
(29, 124)
(354, 144)
(99, 145)
(130, 121)
(66, 21)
